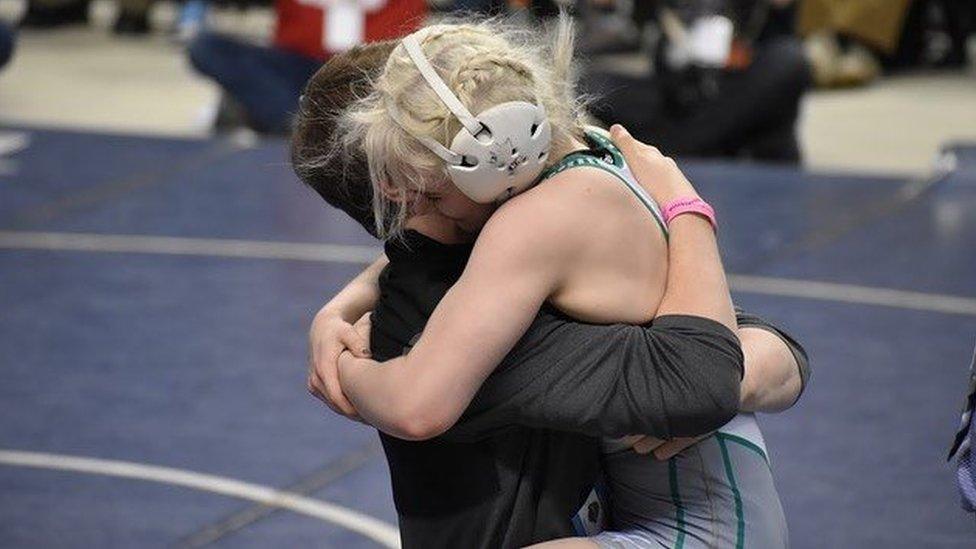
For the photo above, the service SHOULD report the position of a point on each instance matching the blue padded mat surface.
(860, 461)
(198, 362)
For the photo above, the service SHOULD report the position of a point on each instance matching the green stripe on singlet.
(740, 533)
(679, 513)
(746, 443)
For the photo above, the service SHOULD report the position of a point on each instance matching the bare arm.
(776, 372)
(359, 296)
(696, 279)
(513, 268)
(773, 380)
(332, 332)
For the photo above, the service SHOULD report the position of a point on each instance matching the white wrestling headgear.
(496, 154)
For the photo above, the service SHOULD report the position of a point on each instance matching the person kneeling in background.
(264, 82)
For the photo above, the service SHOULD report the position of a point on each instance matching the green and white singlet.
(718, 493)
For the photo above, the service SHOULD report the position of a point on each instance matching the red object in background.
(740, 56)
(300, 24)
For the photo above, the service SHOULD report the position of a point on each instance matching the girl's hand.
(362, 327)
(658, 174)
(328, 337)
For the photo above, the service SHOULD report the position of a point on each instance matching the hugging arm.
(672, 378)
(777, 366)
(669, 379)
(481, 317)
(332, 331)
(516, 265)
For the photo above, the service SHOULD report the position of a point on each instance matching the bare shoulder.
(558, 213)
(546, 217)
(571, 197)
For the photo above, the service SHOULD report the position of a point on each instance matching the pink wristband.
(689, 205)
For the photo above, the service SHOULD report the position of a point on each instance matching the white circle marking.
(375, 529)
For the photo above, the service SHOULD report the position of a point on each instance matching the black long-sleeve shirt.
(518, 465)
(671, 378)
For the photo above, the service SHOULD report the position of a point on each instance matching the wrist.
(689, 206)
(683, 194)
(345, 368)
(689, 221)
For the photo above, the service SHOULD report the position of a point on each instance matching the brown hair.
(341, 179)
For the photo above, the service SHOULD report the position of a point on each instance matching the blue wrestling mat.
(156, 296)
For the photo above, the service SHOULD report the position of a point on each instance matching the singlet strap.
(604, 155)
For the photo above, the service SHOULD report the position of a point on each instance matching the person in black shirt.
(503, 485)
(488, 482)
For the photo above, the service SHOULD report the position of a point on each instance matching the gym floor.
(157, 288)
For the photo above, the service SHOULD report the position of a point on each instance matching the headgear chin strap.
(496, 154)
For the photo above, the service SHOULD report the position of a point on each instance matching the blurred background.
(888, 82)
(160, 263)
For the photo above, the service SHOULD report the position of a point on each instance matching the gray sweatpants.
(718, 493)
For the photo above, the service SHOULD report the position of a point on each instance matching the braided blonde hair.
(485, 63)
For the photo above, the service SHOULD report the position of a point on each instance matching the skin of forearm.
(696, 283)
(358, 297)
(772, 380)
(385, 396)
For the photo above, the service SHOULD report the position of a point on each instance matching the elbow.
(717, 410)
(714, 406)
(726, 398)
(417, 420)
(417, 429)
(726, 405)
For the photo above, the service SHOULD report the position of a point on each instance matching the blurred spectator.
(6, 43)
(962, 446)
(607, 26)
(877, 23)
(849, 41)
(133, 16)
(55, 13)
(935, 33)
(960, 19)
(843, 37)
(727, 81)
(491, 7)
(264, 83)
(538, 8)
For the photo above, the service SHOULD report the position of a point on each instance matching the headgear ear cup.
(495, 155)
(509, 160)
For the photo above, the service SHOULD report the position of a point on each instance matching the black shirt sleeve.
(678, 376)
(744, 319)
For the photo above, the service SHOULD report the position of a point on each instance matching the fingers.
(333, 391)
(363, 326)
(628, 144)
(350, 338)
(664, 449)
(647, 444)
(622, 139)
(327, 338)
(328, 369)
(631, 440)
(658, 174)
(316, 388)
(674, 447)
